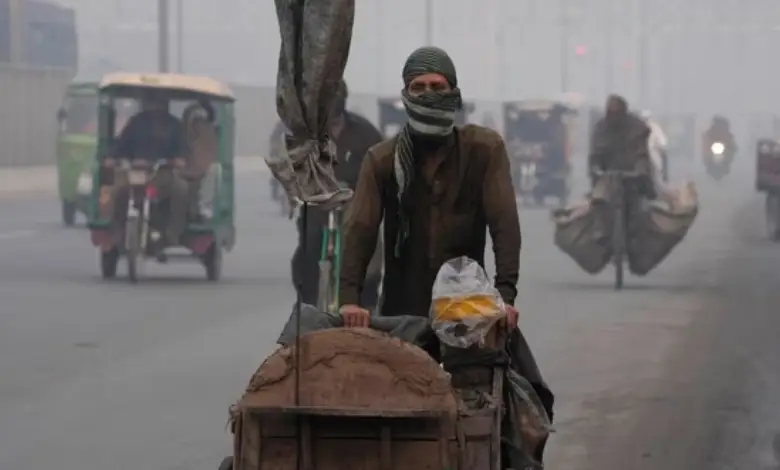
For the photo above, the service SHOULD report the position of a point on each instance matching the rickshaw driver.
(151, 135)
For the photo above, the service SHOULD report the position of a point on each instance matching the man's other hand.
(179, 163)
(355, 316)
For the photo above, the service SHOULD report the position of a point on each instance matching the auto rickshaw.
(392, 115)
(768, 181)
(211, 226)
(538, 135)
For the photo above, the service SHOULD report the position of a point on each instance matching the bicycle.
(618, 209)
(330, 264)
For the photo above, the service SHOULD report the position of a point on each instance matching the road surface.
(679, 371)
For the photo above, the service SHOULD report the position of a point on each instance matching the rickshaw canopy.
(121, 82)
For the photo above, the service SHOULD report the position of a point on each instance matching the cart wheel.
(227, 464)
(213, 262)
(108, 263)
(68, 213)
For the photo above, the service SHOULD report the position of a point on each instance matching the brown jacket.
(464, 190)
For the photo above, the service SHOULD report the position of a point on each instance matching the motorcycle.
(142, 234)
(717, 161)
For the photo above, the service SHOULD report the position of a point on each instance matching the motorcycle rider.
(155, 134)
(719, 131)
(657, 144)
(353, 135)
(620, 142)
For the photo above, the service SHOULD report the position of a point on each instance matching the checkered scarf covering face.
(430, 114)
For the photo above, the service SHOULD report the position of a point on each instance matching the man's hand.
(511, 316)
(355, 316)
(179, 163)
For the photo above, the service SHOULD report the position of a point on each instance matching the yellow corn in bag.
(462, 307)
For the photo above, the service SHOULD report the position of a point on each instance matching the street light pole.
(642, 68)
(180, 36)
(163, 47)
(565, 40)
(429, 22)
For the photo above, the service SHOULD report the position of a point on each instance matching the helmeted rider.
(719, 131)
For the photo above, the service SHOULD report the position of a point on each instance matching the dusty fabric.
(529, 399)
(583, 231)
(315, 41)
(464, 191)
(356, 137)
(393, 374)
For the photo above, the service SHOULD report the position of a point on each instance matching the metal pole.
(429, 22)
(16, 51)
(163, 35)
(642, 68)
(564, 20)
(609, 49)
(180, 36)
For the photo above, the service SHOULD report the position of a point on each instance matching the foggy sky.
(708, 55)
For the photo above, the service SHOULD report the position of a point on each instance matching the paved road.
(679, 368)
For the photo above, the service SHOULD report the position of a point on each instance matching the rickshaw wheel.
(212, 260)
(68, 213)
(108, 263)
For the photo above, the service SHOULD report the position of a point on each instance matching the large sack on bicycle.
(659, 226)
(582, 231)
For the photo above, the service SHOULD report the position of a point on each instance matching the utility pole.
(180, 36)
(642, 68)
(16, 52)
(163, 36)
(564, 13)
(609, 48)
(429, 22)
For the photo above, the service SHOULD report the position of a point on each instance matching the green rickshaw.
(211, 219)
(76, 146)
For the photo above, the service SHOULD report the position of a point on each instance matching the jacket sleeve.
(500, 209)
(361, 231)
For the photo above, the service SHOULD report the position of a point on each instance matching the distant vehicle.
(538, 136)
(768, 181)
(38, 34)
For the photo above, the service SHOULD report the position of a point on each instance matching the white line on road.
(14, 234)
